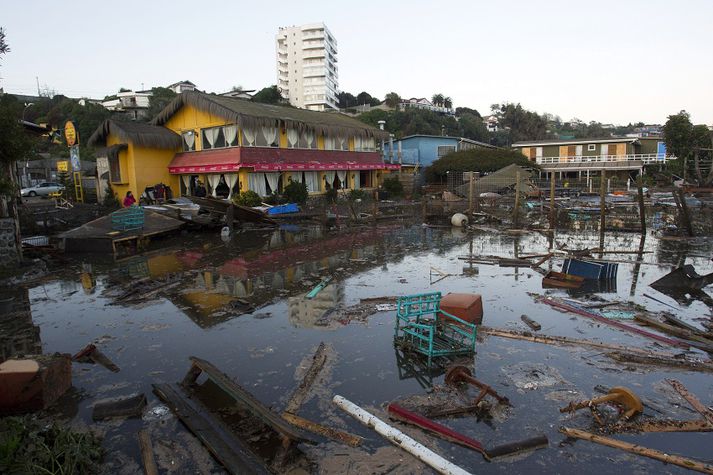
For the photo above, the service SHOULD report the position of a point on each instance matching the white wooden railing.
(645, 158)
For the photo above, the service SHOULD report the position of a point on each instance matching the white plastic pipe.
(399, 439)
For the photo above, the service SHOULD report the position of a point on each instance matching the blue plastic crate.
(284, 209)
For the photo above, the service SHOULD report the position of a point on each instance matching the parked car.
(43, 189)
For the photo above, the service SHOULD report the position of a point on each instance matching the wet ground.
(239, 304)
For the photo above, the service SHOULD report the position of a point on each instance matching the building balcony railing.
(645, 158)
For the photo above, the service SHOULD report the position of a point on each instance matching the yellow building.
(138, 155)
(233, 145)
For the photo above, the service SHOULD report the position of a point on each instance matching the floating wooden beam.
(658, 425)
(692, 400)
(639, 450)
(314, 427)
(300, 395)
(242, 396)
(147, 456)
(229, 450)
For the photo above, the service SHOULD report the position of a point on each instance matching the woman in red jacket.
(129, 200)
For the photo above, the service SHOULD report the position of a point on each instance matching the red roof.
(274, 159)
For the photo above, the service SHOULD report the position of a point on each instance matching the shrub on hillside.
(476, 160)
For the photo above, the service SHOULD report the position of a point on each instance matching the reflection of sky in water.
(151, 343)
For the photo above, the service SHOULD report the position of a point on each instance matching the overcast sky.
(610, 61)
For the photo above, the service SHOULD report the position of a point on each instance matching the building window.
(189, 141)
(444, 150)
(220, 137)
(591, 147)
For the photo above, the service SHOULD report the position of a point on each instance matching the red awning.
(275, 159)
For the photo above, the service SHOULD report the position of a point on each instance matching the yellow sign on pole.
(63, 166)
(70, 133)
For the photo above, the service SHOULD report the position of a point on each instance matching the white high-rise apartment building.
(307, 66)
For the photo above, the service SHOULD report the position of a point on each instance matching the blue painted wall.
(423, 150)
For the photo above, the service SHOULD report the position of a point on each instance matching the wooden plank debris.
(132, 406)
(662, 425)
(228, 449)
(692, 400)
(300, 395)
(531, 323)
(147, 455)
(316, 428)
(693, 339)
(639, 450)
(233, 389)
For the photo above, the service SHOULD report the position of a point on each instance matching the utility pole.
(38, 85)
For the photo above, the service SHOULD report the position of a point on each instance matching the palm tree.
(437, 99)
(447, 102)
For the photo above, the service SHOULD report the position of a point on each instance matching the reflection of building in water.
(307, 313)
(18, 334)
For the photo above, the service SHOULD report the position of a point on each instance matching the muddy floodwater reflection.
(240, 305)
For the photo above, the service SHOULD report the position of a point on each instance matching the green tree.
(466, 110)
(437, 99)
(479, 159)
(268, 95)
(4, 47)
(160, 97)
(447, 102)
(346, 100)
(392, 100)
(677, 135)
(521, 123)
(15, 143)
(473, 127)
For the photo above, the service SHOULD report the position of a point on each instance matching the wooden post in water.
(516, 209)
(642, 210)
(602, 210)
(553, 213)
(685, 215)
(230, 217)
(471, 190)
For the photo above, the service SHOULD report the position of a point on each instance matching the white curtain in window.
(369, 144)
(273, 179)
(270, 134)
(312, 181)
(211, 135)
(356, 180)
(328, 143)
(330, 177)
(230, 132)
(190, 139)
(357, 143)
(249, 136)
(296, 176)
(292, 137)
(256, 183)
(342, 175)
(213, 181)
(240, 289)
(309, 138)
(186, 179)
(231, 179)
(340, 142)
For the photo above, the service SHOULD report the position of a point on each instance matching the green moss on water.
(31, 446)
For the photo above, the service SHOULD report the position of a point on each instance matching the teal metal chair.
(423, 327)
(128, 219)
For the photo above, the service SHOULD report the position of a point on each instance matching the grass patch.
(28, 445)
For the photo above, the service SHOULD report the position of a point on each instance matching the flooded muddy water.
(240, 305)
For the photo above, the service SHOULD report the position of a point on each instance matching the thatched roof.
(254, 114)
(138, 133)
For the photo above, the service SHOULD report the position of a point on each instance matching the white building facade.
(307, 72)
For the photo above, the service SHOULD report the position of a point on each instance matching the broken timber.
(556, 303)
(127, 407)
(334, 434)
(147, 456)
(228, 449)
(665, 425)
(273, 420)
(92, 354)
(692, 400)
(531, 323)
(300, 395)
(619, 353)
(639, 450)
(694, 339)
